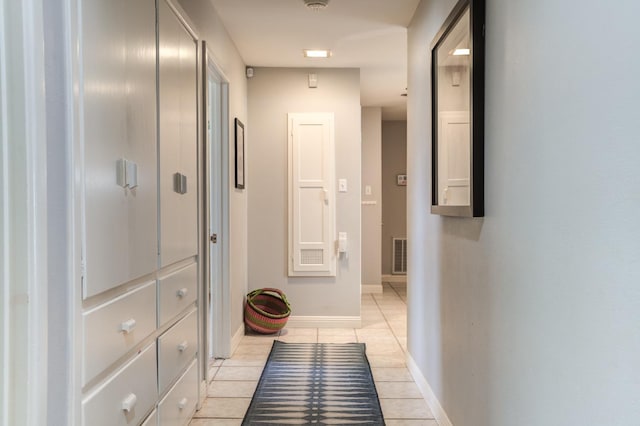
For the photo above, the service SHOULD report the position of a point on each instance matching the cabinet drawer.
(176, 348)
(152, 420)
(112, 329)
(180, 403)
(127, 396)
(177, 291)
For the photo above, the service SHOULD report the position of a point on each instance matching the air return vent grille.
(399, 256)
(311, 257)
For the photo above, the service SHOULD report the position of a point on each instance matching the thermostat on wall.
(402, 180)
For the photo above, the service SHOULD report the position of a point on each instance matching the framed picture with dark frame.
(239, 154)
(457, 108)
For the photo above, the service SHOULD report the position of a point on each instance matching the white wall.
(371, 213)
(210, 29)
(530, 315)
(394, 197)
(274, 92)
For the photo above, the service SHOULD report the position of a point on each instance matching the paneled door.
(312, 249)
(454, 158)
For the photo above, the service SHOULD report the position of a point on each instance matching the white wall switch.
(313, 81)
(367, 190)
(342, 185)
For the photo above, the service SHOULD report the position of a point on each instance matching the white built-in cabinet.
(138, 159)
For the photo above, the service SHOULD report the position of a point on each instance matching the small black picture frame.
(239, 144)
(457, 112)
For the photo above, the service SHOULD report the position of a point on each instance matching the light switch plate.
(313, 81)
(342, 185)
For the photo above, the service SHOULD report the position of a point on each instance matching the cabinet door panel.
(178, 139)
(119, 95)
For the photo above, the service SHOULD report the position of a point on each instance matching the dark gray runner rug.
(315, 383)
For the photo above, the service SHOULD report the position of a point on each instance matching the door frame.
(23, 216)
(216, 298)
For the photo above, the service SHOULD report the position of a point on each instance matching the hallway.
(384, 330)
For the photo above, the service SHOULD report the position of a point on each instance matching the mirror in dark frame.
(457, 101)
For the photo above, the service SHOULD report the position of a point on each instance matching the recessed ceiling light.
(316, 53)
(461, 52)
(316, 5)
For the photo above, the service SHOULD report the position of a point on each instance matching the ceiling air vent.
(316, 5)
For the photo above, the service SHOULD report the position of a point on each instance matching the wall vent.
(399, 256)
(311, 257)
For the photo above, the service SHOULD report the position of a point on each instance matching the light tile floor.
(384, 330)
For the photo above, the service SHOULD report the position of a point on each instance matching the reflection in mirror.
(454, 137)
(457, 83)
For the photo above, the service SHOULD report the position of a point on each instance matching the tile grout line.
(387, 321)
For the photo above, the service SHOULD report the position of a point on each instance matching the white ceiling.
(366, 34)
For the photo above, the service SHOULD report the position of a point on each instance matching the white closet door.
(119, 94)
(178, 139)
(311, 195)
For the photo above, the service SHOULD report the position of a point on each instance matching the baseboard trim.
(235, 340)
(371, 288)
(323, 322)
(427, 393)
(204, 389)
(394, 279)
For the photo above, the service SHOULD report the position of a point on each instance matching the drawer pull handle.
(183, 292)
(128, 326)
(129, 402)
(183, 346)
(182, 403)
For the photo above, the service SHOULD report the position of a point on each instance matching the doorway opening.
(216, 323)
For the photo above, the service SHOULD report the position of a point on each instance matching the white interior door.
(215, 200)
(311, 195)
(217, 322)
(454, 162)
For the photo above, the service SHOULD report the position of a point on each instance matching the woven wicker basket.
(266, 311)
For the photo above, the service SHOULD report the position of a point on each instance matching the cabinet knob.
(129, 402)
(183, 346)
(128, 326)
(182, 292)
(182, 403)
